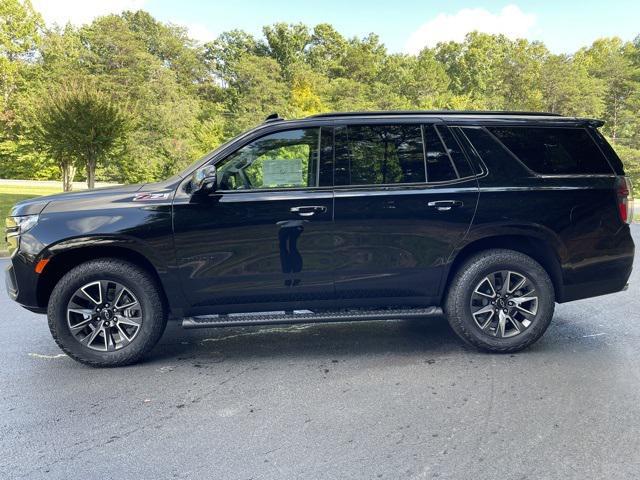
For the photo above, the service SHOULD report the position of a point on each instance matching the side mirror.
(204, 179)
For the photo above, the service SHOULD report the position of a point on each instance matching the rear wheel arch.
(537, 248)
(64, 261)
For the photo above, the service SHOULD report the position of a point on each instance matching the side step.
(306, 316)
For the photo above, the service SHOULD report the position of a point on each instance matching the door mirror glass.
(204, 179)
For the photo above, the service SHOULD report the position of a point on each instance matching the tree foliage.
(183, 98)
(80, 126)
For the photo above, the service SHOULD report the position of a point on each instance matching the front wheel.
(500, 301)
(106, 313)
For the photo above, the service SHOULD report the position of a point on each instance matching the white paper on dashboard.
(282, 171)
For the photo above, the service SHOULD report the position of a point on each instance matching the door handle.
(445, 205)
(308, 210)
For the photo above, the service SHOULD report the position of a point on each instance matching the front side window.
(379, 155)
(558, 151)
(286, 159)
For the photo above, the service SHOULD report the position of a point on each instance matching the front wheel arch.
(65, 261)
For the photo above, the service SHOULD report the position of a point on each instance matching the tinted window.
(472, 153)
(287, 159)
(455, 152)
(553, 150)
(379, 154)
(488, 148)
(439, 166)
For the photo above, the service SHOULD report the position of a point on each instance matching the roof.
(459, 115)
(436, 113)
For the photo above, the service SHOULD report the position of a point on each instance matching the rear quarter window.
(554, 150)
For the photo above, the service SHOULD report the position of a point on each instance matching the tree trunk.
(91, 174)
(68, 173)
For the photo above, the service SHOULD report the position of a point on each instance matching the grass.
(11, 194)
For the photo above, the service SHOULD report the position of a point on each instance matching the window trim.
(446, 149)
(400, 186)
(457, 131)
(424, 154)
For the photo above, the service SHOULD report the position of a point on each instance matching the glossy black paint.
(240, 248)
(368, 245)
(391, 243)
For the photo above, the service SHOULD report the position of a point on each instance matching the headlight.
(19, 225)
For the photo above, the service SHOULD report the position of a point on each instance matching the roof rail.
(434, 112)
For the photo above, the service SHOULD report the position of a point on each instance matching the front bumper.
(22, 282)
(10, 282)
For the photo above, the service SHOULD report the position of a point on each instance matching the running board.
(306, 316)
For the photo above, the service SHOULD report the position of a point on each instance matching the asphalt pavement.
(388, 400)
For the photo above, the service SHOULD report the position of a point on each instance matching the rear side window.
(379, 154)
(558, 151)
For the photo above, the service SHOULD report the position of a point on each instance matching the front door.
(402, 203)
(264, 237)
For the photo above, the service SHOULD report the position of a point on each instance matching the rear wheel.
(500, 301)
(106, 313)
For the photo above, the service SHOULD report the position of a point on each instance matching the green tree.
(125, 67)
(475, 68)
(20, 27)
(326, 51)
(185, 98)
(610, 60)
(521, 75)
(568, 89)
(255, 91)
(222, 55)
(286, 44)
(79, 125)
(20, 39)
(364, 58)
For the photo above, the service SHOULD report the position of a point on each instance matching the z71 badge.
(147, 197)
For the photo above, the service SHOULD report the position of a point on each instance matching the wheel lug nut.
(505, 310)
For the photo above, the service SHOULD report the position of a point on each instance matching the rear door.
(403, 201)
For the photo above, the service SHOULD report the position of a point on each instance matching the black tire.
(135, 279)
(466, 279)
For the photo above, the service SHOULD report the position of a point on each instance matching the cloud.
(198, 32)
(79, 12)
(511, 21)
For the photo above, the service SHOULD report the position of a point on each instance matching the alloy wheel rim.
(104, 315)
(504, 304)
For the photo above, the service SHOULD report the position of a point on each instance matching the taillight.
(624, 192)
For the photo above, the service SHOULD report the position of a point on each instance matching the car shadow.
(431, 336)
(309, 340)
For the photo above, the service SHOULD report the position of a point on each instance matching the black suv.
(490, 216)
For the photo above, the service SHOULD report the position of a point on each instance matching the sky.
(404, 26)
